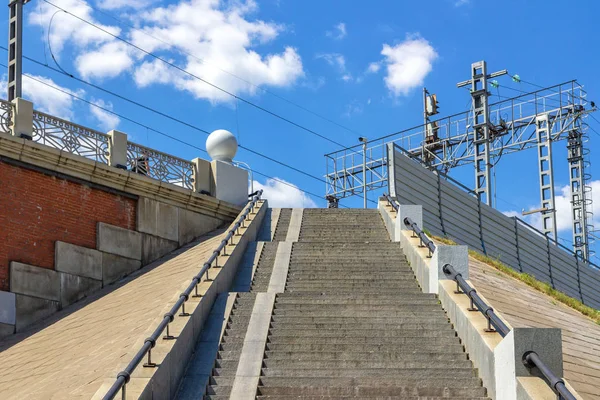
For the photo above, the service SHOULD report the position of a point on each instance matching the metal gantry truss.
(482, 136)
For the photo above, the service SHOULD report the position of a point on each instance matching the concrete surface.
(115, 267)
(192, 225)
(78, 260)
(293, 233)
(74, 288)
(34, 281)
(230, 183)
(158, 219)
(280, 268)
(119, 241)
(31, 309)
(249, 368)
(7, 308)
(154, 247)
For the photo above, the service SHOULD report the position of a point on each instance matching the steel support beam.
(481, 132)
(578, 194)
(15, 48)
(546, 170)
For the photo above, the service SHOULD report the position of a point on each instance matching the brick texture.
(37, 209)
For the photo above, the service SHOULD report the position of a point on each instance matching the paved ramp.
(69, 355)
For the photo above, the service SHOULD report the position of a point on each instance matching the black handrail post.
(168, 336)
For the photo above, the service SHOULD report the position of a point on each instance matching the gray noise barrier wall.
(451, 210)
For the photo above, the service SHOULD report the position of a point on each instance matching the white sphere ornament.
(221, 145)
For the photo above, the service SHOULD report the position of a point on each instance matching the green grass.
(532, 282)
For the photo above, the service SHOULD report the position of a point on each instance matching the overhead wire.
(165, 115)
(183, 70)
(203, 61)
(157, 131)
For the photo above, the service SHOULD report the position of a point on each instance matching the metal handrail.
(477, 301)
(124, 376)
(425, 241)
(530, 358)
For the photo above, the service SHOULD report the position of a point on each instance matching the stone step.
(300, 397)
(442, 386)
(351, 313)
(356, 296)
(417, 341)
(450, 347)
(324, 367)
(351, 333)
(340, 275)
(360, 355)
(361, 307)
(309, 301)
(343, 327)
(382, 322)
(359, 291)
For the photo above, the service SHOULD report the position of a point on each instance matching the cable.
(50, 46)
(197, 77)
(156, 131)
(201, 60)
(167, 116)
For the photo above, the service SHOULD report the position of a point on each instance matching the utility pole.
(481, 129)
(15, 48)
(430, 140)
(364, 141)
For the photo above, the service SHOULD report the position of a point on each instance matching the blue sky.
(360, 64)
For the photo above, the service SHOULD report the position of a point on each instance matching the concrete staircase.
(353, 322)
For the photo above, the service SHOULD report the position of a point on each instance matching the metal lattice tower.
(15, 48)
(546, 169)
(580, 193)
(488, 132)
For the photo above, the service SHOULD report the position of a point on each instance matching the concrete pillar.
(457, 256)
(117, 148)
(230, 183)
(202, 176)
(22, 126)
(508, 364)
(414, 212)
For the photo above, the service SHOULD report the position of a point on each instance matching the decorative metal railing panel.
(6, 113)
(70, 137)
(161, 166)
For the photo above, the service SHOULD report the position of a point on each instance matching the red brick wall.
(37, 209)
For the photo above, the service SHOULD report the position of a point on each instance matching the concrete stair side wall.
(36, 293)
(496, 358)
(172, 356)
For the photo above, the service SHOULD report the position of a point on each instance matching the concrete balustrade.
(498, 359)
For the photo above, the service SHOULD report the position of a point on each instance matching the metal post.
(481, 129)
(546, 170)
(15, 48)
(364, 141)
(578, 200)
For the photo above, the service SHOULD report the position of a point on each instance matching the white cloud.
(336, 60)
(65, 28)
(407, 63)
(374, 68)
(108, 61)
(221, 39)
(562, 201)
(119, 4)
(106, 120)
(282, 195)
(459, 3)
(353, 108)
(338, 33)
(49, 100)
(219, 35)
